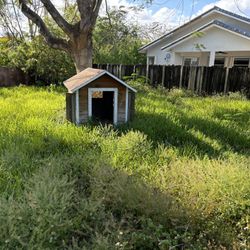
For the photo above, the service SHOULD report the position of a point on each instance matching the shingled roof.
(87, 76)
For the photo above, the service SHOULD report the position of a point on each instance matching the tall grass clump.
(176, 177)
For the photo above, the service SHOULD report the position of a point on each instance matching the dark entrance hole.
(102, 106)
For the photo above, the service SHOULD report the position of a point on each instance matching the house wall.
(103, 82)
(160, 55)
(215, 39)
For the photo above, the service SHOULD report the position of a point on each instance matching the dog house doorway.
(102, 104)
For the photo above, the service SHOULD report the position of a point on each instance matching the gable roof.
(213, 23)
(214, 9)
(87, 76)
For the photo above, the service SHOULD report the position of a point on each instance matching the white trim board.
(126, 110)
(77, 107)
(98, 76)
(115, 111)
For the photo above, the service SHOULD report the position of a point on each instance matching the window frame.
(240, 58)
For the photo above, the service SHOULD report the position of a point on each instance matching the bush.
(43, 64)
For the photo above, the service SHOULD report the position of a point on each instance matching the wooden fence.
(12, 77)
(202, 80)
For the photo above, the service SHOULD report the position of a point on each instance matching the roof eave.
(72, 91)
(84, 83)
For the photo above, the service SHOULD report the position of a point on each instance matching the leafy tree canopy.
(116, 40)
(37, 59)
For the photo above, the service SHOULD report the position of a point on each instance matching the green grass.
(176, 177)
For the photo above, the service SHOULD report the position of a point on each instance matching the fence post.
(120, 71)
(147, 73)
(163, 75)
(192, 77)
(181, 75)
(199, 79)
(226, 80)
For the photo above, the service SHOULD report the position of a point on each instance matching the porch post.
(226, 80)
(212, 58)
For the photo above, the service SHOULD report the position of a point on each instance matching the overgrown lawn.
(177, 177)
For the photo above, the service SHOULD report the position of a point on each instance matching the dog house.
(96, 94)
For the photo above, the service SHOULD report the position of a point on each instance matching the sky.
(172, 13)
(175, 12)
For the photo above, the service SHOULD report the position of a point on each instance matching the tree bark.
(82, 51)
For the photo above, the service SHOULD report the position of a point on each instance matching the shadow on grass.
(161, 129)
(229, 138)
(240, 118)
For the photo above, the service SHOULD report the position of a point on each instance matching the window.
(241, 62)
(219, 61)
(151, 60)
(191, 61)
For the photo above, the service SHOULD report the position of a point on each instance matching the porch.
(227, 59)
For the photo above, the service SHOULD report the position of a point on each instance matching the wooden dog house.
(97, 94)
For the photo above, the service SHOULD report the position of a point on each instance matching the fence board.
(239, 79)
(12, 77)
(141, 70)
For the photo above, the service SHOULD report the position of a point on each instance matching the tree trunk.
(81, 51)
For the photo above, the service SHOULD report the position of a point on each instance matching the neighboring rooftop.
(215, 8)
(216, 23)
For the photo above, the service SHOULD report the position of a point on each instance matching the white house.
(217, 37)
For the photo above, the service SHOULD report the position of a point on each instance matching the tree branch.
(87, 21)
(54, 42)
(61, 22)
(7, 26)
(17, 19)
(96, 8)
(107, 12)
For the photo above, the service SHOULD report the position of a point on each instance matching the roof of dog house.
(99, 95)
(88, 75)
